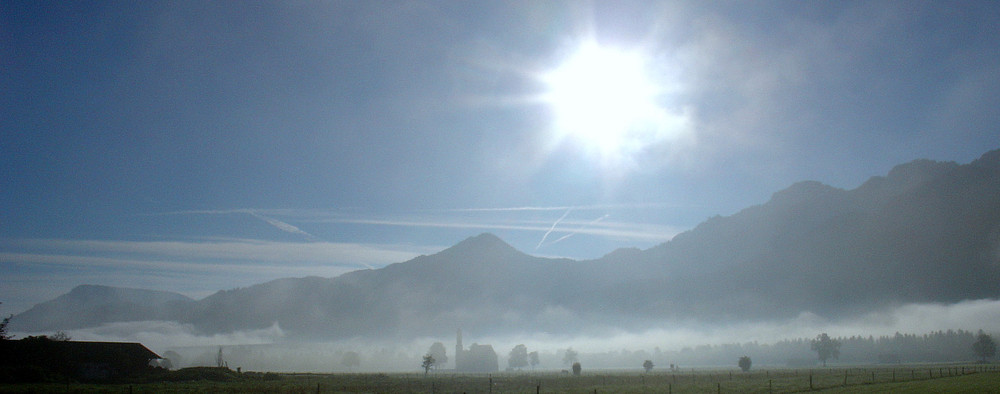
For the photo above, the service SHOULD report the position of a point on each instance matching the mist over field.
(670, 343)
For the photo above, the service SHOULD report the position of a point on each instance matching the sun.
(605, 100)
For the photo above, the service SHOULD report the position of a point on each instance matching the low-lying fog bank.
(926, 330)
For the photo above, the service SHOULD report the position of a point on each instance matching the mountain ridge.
(925, 232)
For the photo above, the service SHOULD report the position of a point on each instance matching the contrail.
(584, 227)
(283, 226)
(568, 210)
(288, 228)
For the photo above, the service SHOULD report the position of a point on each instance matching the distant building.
(477, 359)
(35, 358)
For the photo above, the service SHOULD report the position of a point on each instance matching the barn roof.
(115, 353)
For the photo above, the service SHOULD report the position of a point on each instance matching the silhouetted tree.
(826, 347)
(60, 336)
(439, 352)
(428, 363)
(984, 346)
(647, 365)
(3, 327)
(576, 369)
(745, 363)
(351, 360)
(570, 356)
(518, 357)
(533, 359)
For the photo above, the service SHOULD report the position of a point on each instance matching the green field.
(902, 379)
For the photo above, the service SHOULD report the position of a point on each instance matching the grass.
(908, 379)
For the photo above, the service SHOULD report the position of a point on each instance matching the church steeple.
(458, 350)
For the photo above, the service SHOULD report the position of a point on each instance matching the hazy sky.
(198, 146)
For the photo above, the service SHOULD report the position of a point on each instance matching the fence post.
(810, 381)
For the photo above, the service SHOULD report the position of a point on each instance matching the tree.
(60, 336)
(576, 369)
(826, 347)
(647, 365)
(439, 352)
(745, 363)
(518, 357)
(533, 359)
(3, 327)
(351, 360)
(570, 356)
(984, 346)
(428, 363)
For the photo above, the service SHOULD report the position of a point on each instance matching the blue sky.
(199, 146)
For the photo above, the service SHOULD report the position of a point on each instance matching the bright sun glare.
(604, 99)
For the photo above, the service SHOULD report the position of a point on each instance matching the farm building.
(40, 358)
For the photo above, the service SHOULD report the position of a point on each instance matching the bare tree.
(428, 363)
(60, 336)
(3, 327)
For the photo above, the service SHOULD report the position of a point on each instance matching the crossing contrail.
(577, 231)
(553, 227)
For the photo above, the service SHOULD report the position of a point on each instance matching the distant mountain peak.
(483, 241)
(484, 244)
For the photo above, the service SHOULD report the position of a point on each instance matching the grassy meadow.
(969, 378)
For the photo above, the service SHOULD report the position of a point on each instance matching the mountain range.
(927, 232)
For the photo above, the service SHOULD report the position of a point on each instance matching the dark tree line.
(937, 346)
